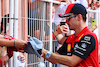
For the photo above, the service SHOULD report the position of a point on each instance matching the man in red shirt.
(79, 49)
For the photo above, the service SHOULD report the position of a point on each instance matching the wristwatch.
(48, 54)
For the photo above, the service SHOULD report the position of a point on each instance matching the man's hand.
(21, 58)
(20, 44)
(62, 29)
(34, 46)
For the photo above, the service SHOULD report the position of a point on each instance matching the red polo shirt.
(84, 45)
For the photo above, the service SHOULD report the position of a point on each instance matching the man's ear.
(79, 17)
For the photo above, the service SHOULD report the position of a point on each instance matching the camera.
(62, 23)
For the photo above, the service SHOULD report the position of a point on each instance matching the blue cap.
(34, 47)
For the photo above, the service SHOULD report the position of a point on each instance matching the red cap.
(74, 8)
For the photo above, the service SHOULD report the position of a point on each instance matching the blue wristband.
(48, 54)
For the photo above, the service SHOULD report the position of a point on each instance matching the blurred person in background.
(33, 10)
(33, 6)
(21, 60)
(46, 33)
(92, 6)
(3, 28)
(60, 8)
(83, 2)
(97, 4)
(46, 30)
(7, 43)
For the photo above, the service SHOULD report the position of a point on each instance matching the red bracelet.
(53, 36)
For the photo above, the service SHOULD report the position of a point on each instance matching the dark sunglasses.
(68, 18)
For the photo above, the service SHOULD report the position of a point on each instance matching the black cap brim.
(65, 15)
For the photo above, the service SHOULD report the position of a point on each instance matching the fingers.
(62, 29)
(28, 37)
(58, 25)
(21, 50)
(65, 30)
(20, 44)
(21, 58)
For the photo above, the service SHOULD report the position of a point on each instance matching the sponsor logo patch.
(81, 48)
(87, 38)
(69, 48)
(84, 45)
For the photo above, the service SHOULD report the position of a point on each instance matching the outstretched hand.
(34, 46)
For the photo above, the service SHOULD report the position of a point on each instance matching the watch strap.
(48, 54)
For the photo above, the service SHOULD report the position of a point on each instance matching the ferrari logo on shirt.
(69, 48)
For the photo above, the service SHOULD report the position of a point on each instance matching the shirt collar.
(82, 32)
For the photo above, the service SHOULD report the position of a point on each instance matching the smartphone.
(93, 22)
(62, 23)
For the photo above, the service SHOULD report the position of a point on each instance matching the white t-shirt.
(83, 2)
(61, 9)
(19, 63)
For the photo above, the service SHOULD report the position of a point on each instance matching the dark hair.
(84, 18)
(4, 23)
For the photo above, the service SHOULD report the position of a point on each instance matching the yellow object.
(93, 22)
(80, 37)
(69, 47)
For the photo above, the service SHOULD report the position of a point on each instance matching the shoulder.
(88, 32)
(90, 39)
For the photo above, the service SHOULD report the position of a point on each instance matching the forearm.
(54, 35)
(57, 34)
(1, 36)
(63, 59)
(60, 37)
(56, 58)
(53, 61)
(6, 42)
